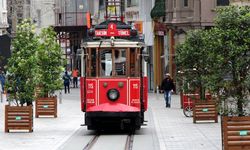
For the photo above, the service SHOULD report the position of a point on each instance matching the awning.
(158, 10)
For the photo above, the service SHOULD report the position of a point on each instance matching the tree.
(22, 66)
(232, 57)
(192, 60)
(50, 63)
(221, 58)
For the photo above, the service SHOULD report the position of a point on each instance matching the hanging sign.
(112, 31)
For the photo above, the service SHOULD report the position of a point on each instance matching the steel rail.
(129, 142)
(91, 142)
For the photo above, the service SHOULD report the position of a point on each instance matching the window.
(116, 57)
(185, 3)
(132, 62)
(174, 3)
(106, 63)
(120, 61)
(222, 2)
(101, 4)
(93, 63)
(131, 3)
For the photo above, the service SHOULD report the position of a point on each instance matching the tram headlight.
(113, 94)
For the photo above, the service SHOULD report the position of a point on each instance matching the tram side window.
(93, 62)
(120, 62)
(132, 62)
(106, 62)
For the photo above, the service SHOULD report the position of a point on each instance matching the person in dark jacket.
(168, 87)
(66, 81)
(2, 81)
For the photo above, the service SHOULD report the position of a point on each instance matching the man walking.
(2, 81)
(66, 81)
(167, 86)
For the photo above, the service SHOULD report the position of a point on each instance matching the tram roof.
(113, 43)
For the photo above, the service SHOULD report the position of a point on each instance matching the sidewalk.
(177, 132)
(49, 133)
(174, 130)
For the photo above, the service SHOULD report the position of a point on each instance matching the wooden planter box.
(46, 106)
(236, 133)
(205, 110)
(18, 118)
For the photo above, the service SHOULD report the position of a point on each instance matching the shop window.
(131, 3)
(101, 4)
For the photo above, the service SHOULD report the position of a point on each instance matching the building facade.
(181, 16)
(71, 27)
(136, 13)
(3, 17)
(17, 11)
(42, 13)
(240, 2)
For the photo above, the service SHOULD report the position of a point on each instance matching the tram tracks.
(97, 140)
(129, 142)
(91, 142)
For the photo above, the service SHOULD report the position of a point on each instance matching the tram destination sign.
(112, 31)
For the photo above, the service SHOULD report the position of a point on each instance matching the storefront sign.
(132, 15)
(160, 28)
(139, 26)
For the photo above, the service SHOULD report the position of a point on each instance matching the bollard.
(60, 96)
(157, 89)
(1, 96)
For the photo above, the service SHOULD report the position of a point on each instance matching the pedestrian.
(71, 79)
(75, 73)
(66, 81)
(2, 81)
(168, 87)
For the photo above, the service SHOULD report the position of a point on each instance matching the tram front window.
(106, 62)
(120, 62)
(113, 62)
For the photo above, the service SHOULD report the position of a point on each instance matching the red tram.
(113, 85)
